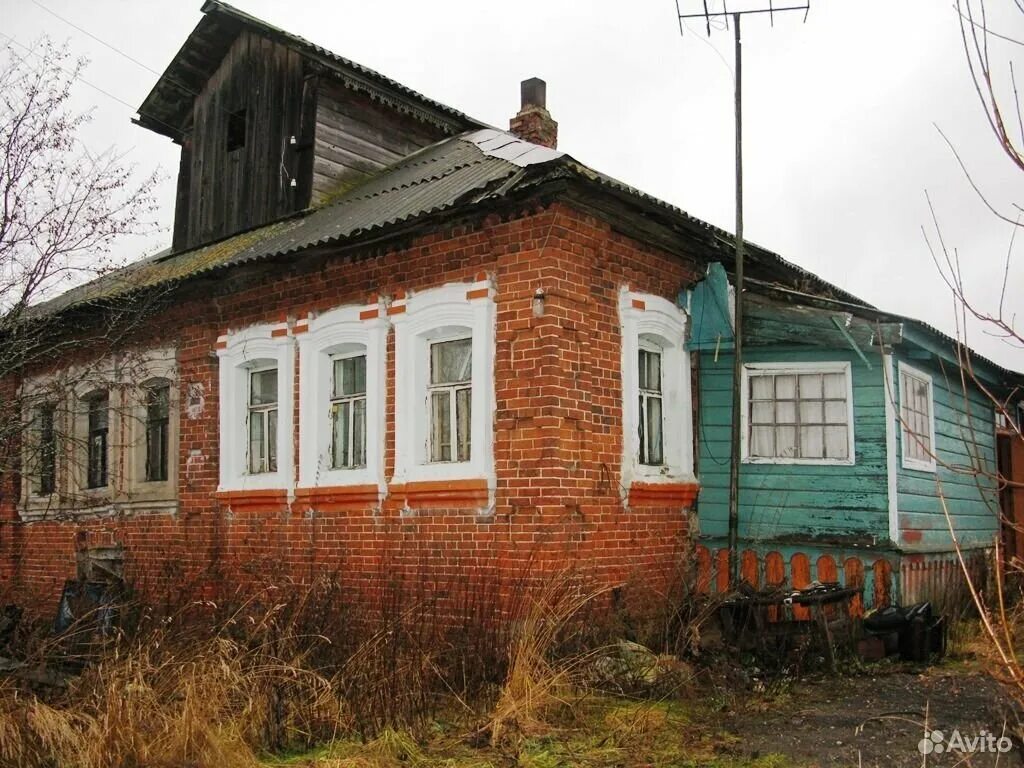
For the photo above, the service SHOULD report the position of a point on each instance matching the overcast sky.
(840, 115)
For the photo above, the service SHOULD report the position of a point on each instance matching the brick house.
(389, 338)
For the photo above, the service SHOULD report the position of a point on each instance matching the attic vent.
(236, 130)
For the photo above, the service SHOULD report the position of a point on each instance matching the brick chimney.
(534, 123)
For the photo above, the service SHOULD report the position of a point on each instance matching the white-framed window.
(917, 418)
(342, 360)
(257, 368)
(444, 384)
(656, 407)
(797, 413)
(97, 440)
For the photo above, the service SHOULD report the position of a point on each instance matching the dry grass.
(292, 668)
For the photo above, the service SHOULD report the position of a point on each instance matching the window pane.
(811, 412)
(157, 403)
(256, 445)
(47, 476)
(350, 376)
(359, 433)
(762, 413)
(785, 387)
(810, 386)
(835, 386)
(98, 414)
(263, 387)
(836, 412)
(812, 442)
(785, 442)
(342, 426)
(463, 421)
(654, 432)
(761, 387)
(761, 441)
(451, 361)
(650, 370)
(785, 412)
(837, 443)
(440, 426)
(272, 441)
(156, 451)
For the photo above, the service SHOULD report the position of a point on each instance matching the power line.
(117, 50)
(78, 78)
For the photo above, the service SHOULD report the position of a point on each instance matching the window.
(96, 459)
(256, 406)
(916, 419)
(651, 425)
(657, 434)
(263, 421)
(236, 130)
(342, 355)
(444, 385)
(348, 413)
(158, 403)
(798, 413)
(46, 444)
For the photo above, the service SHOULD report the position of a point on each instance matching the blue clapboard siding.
(795, 500)
(965, 444)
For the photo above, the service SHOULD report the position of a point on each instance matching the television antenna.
(721, 14)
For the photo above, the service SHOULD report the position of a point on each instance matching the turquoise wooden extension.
(860, 435)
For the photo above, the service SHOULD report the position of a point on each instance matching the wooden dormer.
(270, 124)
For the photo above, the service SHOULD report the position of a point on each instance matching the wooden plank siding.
(965, 468)
(356, 137)
(225, 192)
(795, 500)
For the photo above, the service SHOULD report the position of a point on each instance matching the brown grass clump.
(535, 682)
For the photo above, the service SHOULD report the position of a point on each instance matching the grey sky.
(840, 115)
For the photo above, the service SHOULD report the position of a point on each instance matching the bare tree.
(62, 209)
(995, 83)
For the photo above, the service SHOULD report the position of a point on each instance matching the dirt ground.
(875, 720)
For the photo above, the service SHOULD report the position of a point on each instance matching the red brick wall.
(558, 432)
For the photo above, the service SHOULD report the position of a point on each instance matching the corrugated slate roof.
(453, 171)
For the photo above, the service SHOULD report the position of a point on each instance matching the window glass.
(157, 429)
(915, 411)
(263, 421)
(99, 415)
(651, 425)
(348, 413)
(46, 476)
(451, 364)
(798, 416)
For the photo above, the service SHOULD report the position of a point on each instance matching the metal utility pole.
(709, 13)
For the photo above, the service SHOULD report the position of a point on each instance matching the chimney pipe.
(534, 123)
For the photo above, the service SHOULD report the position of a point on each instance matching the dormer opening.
(236, 130)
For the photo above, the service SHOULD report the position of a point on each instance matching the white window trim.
(433, 315)
(796, 368)
(159, 365)
(338, 333)
(239, 353)
(907, 461)
(653, 321)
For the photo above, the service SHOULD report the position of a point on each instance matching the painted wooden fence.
(875, 576)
